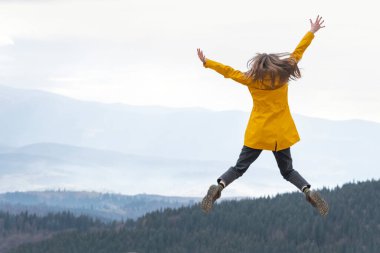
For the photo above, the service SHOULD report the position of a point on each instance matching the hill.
(285, 223)
(103, 206)
(26, 227)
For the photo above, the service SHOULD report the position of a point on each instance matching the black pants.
(249, 155)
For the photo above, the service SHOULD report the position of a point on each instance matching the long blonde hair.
(273, 67)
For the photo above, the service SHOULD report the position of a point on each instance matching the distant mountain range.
(49, 141)
(103, 206)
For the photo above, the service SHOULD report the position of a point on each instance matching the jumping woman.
(270, 126)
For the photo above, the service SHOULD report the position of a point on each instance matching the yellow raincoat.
(270, 126)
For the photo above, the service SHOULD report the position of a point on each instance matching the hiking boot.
(213, 193)
(315, 199)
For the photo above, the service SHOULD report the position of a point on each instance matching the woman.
(270, 126)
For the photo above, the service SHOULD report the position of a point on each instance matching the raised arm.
(224, 70)
(306, 40)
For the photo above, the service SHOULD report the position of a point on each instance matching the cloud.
(6, 40)
(33, 1)
(143, 52)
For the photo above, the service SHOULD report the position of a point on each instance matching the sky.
(144, 52)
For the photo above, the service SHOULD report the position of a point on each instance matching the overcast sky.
(143, 52)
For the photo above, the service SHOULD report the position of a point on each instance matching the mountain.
(285, 223)
(56, 166)
(31, 116)
(97, 205)
(49, 141)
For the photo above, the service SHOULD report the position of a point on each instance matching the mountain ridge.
(104, 206)
(185, 150)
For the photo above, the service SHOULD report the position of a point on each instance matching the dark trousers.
(249, 155)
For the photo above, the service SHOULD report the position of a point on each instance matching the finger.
(323, 26)
(320, 19)
(322, 22)
(311, 22)
(316, 20)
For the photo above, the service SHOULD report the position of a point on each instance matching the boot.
(315, 199)
(213, 193)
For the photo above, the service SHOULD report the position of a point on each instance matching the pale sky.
(143, 52)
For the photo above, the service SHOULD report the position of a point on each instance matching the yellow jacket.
(270, 126)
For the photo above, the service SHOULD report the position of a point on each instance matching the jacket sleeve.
(227, 71)
(301, 47)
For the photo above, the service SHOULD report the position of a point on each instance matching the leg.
(285, 163)
(246, 158)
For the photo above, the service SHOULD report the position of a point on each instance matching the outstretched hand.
(201, 56)
(316, 25)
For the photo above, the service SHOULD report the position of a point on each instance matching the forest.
(284, 223)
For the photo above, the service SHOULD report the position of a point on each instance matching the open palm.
(316, 25)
